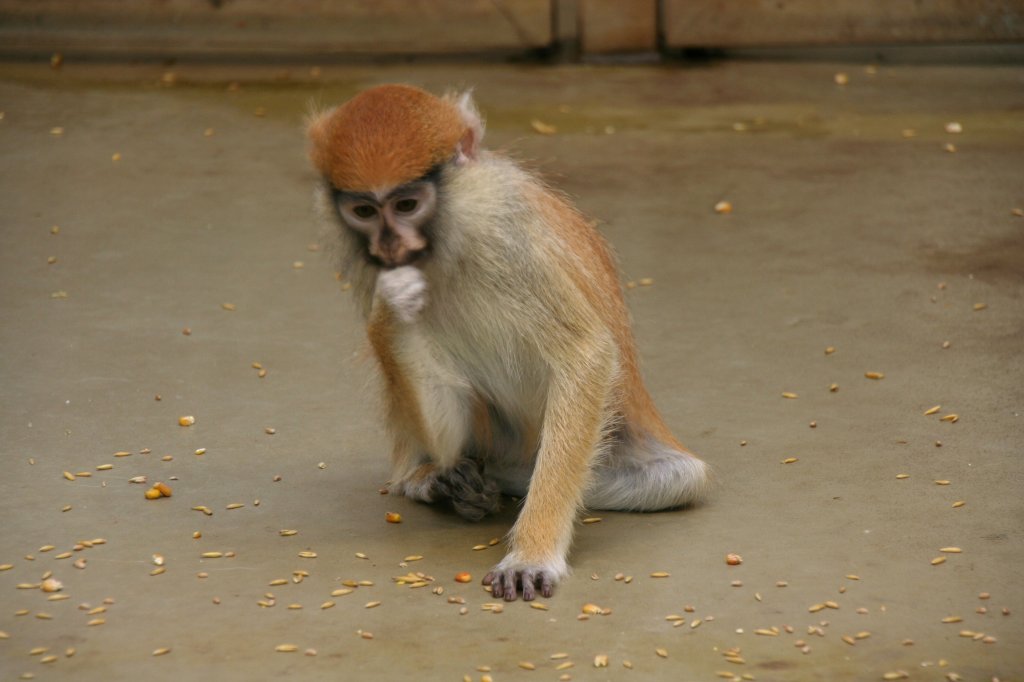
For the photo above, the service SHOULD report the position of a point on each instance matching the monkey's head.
(382, 153)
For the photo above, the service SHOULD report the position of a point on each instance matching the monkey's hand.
(404, 290)
(511, 574)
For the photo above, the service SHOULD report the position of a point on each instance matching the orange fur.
(597, 277)
(384, 137)
(404, 414)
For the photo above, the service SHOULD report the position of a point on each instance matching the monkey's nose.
(395, 250)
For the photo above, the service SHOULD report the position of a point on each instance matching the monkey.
(496, 316)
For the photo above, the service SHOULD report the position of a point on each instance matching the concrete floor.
(845, 232)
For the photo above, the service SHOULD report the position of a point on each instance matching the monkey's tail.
(641, 473)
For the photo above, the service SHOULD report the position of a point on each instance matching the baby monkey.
(496, 315)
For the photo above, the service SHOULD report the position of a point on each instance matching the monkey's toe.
(473, 496)
(503, 584)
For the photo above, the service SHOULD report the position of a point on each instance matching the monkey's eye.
(364, 211)
(406, 205)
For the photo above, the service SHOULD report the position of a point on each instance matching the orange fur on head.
(385, 137)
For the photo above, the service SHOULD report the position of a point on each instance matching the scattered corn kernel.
(542, 127)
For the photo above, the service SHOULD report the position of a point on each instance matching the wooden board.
(610, 26)
(335, 27)
(766, 23)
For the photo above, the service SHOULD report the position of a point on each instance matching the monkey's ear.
(468, 147)
(316, 131)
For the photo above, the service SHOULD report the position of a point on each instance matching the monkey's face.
(393, 221)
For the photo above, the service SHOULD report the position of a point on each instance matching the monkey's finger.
(509, 578)
(547, 585)
(528, 578)
(497, 586)
(503, 584)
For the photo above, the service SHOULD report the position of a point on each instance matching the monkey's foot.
(418, 485)
(505, 582)
(473, 496)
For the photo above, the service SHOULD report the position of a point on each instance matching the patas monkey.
(496, 315)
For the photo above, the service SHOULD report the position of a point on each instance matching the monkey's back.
(501, 243)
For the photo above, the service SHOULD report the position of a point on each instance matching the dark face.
(392, 220)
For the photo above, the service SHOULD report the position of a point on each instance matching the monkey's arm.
(575, 418)
(404, 416)
(399, 296)
(428, 408)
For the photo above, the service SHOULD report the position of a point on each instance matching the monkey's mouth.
(397, 260)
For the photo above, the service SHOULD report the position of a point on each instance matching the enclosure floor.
(846, 232)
